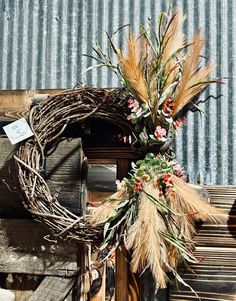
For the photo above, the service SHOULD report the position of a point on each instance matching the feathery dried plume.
(187, 201)
(101, 213)
(194, 78)
(174, 37)
(147, 57)
(182, 226)
(144, 238)
(173, 41)
(131, 69)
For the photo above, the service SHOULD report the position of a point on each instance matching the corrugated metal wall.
(42, 42)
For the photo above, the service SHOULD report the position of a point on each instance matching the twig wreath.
(154, 211)
(48, 121)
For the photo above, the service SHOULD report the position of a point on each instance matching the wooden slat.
(111, 153)
(214, 279)
(11, 203)
(102, 178)
(220, 234)
(53, 289)
(122, 268)
(203, 296)
(224, 233)
(15, 104)
(63, 173)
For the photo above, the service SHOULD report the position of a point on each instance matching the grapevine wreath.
(154, 211)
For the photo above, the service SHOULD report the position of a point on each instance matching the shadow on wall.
(148, 289)
(11, 202)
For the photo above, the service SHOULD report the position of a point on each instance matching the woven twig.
(48, 121)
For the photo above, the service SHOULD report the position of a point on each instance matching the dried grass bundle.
(102, 212)
(144, 238)
(185, 200)
(131, 69)
(173, 41)
(156, 218)
(174, 37)
(194, 78)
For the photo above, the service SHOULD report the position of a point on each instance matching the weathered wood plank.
(101, 178)
(122, 268)
(224, 197)
(111, 153)
(214, 279)
(53, 289)
(11, 203)
(15, 104)
(220, 234)
(24, 250)
(63, 174)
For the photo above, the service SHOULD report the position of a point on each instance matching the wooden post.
(122, 268)
(78, 294)
(82, 249)
(101, 295)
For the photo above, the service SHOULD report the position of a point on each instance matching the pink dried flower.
(159, 132)
(177, 167)
(133, 105)
(122, 138)
(130, 117)
(177, 123)
(179, 171)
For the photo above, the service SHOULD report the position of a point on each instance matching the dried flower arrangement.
(154, 211)
(163, 73)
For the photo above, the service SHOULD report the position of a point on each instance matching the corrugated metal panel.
(42, 42)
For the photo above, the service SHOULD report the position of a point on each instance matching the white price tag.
(18, 131)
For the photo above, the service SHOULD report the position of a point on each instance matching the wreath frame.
(48, 121)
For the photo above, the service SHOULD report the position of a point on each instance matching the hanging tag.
(18, 131)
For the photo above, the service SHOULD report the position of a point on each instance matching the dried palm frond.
(187, 201)
(102, 212)
(131, 69)
(194, 78)
(144, 237)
